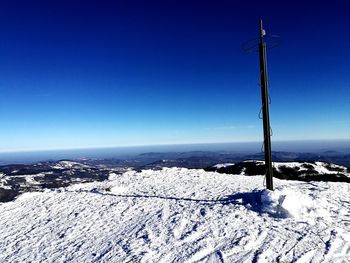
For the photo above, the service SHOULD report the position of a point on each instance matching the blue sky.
(115, 73)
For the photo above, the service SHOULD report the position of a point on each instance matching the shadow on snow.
(250, 200)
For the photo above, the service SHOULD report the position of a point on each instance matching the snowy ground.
(179, 215)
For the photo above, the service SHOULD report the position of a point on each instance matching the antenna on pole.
(262, 31)
(261, 44)
(265, 108)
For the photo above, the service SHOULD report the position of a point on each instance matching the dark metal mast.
(265, 108)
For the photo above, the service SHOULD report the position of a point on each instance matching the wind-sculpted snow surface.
(179, 215)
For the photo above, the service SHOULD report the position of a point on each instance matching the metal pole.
(265, 109)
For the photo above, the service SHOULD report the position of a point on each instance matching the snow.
(223, 165)
(319, 167)
(68, 164)
(30, 179)
(179, 215)
(290, 203)
(3, 182)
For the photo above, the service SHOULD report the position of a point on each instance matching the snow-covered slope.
(64, 164)
(179, 215)
(19, 178)
(297, 170)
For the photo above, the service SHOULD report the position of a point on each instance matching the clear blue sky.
(111, 73)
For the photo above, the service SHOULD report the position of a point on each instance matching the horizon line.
(101, 147)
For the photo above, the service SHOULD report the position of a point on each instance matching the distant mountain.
(301, 171)
(202, 159)
(193, 162)
(16, 179)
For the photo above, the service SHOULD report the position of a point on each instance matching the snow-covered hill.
(296, 170)
(179, 215)
(20, 178)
